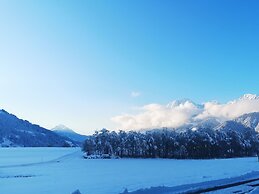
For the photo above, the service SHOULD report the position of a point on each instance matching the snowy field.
(14, 156)
(63, 170)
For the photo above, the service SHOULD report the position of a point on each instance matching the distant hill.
(67, 132)
(17, 132)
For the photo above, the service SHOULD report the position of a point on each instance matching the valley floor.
(63, 170)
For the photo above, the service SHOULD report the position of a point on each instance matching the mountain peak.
(64, 131)
(62, 128)
(176, 103)
(249, 97)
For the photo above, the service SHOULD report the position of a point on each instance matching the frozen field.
(63, 170)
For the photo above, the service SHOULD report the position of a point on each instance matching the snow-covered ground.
(63, 170)
(14, 156)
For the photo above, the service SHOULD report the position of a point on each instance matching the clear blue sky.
(77, 62)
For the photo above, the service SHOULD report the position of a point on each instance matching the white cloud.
(178, 113)
(156, 115)
(246, 104)
(135, 94)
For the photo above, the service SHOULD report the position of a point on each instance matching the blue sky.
(78, 62)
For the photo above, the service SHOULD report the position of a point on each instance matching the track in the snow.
(56, 160)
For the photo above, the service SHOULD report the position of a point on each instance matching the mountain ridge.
(16, 132)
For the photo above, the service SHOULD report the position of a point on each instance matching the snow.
(18, 155)
(63, 170)
(249, 97)
(6, 143)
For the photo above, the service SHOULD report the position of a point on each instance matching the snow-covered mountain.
(249, 97)
(249, 120)
(67, 132)
(233, 126)
(243, 123)
(18, 132)
(177, 103)
(208, 123)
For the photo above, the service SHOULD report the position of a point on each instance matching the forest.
(166, 143)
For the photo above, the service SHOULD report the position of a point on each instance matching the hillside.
(15, 132)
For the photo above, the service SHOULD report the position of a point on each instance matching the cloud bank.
(178, 113)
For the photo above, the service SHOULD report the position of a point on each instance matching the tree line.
(165, 143)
